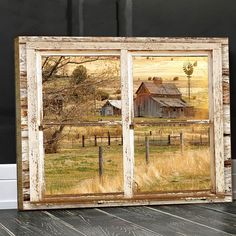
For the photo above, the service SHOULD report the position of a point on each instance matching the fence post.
(122, 139)
(83, 141)
(181, 136)
(100, 162)
(147, 149)
(95, 140)
(169, 139)
(209, 136)
(109, 138)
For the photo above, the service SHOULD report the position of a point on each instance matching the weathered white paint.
(214, 46)
(226, 119)
(33, 126)
(120, 46)
(211, 119)
(39, 107)
(24, 39)
(127, 97)
(195, 200)
(227, 149)
(217, 109)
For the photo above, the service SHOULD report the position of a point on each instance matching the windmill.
(188, 68)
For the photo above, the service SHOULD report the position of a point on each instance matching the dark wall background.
(105, 18)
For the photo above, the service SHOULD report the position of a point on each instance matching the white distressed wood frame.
(29, 51)
(128, 134)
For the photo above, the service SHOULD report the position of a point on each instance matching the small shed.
(111, 108)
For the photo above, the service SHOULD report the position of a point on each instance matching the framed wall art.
(122, 121)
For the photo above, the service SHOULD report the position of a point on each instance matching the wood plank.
(22, 58)
(229, 208)
(36, 157)
(225, 56)
(94, 222)
(227, 148)
(222, 40)
(228, 182)
(33, 126)
(128, 134)
(217, 220)
(159, 222)
(4, 231)
(226, 91)
(41, 178)
(18, 125)
(218, 120)
(34, 224)
(211, 118)
(226, 119)
(62, 45)
(89, 204)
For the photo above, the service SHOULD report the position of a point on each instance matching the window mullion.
(127, 117)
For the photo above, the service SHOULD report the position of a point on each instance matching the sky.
(168, 67)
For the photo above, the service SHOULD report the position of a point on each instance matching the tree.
(79, 74)
(70, 97)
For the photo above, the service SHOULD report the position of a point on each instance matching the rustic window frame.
(29, 51)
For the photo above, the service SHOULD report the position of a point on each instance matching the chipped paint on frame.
(30, 157)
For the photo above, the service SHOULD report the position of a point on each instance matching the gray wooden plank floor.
(201, 219)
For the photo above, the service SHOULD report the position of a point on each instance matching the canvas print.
(82, 125)
(122, 121)
(172, 150)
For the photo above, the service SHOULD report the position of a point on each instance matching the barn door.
(172, 124)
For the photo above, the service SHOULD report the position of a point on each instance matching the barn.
(157, 99)
(111, 108)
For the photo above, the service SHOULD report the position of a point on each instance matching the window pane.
(172, 157)
(82, 125)
(81, 89)
(172, 149)
(170, 87)
(72, 162)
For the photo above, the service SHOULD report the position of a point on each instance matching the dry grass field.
(71, 173)
(173, 171)
(74, 169)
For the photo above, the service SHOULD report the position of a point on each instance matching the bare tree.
(70, 98)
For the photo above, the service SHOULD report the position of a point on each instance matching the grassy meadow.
(171, 170)
(74, 169)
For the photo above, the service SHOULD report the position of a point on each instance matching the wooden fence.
(148, 140)
(201, 139)
(164, 140)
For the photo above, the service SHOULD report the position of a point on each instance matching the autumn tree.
(79, 74)
(69, 95)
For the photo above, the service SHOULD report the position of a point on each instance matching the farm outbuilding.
(111, 108)
(163, 100)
